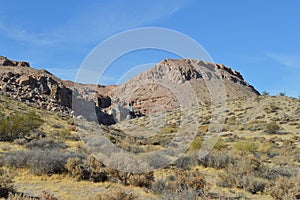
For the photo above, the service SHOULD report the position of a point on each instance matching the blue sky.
(258, 38)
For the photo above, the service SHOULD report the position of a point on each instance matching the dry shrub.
(189, 193)
(76, 169)
(272, 128)
(190, 179)
(286, 188)
(46, 143)
(184, 162)
(128, 178)
(141, 180)
(117, 194)
(39, 161)
(188, 184)
(217, 160)
(86, 170)
(5, 183)
(245, 174)
(44, 196)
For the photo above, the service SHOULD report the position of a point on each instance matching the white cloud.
(94, 22)
(100, 20)
(291, 61)
(37, 39)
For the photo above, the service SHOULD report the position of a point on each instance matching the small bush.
(5, 183)
(44, 196)
(77, 169)
(190, 179)
(169, 129)
(159, 186)
(47, 162)
(246, 173)
(18, 125)
(220, 145)
(116, 195)
(17, 159)
(286, 188)
(128, 178)
(276, 172)
(38, 161)
(46, 144)
(272, 128)
(217, 160)
(182, 185)
(196, 144)
(184, 162)
(246, 146)
(85, 170)
(141, 180)
(189, 193)
(281, 94)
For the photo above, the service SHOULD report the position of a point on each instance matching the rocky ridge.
(206, 80)
(145, 91)
(40, 88)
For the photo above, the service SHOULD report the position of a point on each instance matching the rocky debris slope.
(162, 86)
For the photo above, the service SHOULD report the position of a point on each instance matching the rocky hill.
(41, 89)
(158, 85)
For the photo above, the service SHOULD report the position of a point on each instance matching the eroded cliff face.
(41, 89)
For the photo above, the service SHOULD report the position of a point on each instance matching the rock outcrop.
(156, 86)
(6, 62)
(41, 89)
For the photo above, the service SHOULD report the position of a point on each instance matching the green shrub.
(18, 125)
(220, 145)
(169, 129)
(196, 144)
(272, 128)
(246, 146)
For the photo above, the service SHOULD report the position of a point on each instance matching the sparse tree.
(265, 93)
(282, 94)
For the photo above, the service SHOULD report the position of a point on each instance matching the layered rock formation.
(157, 86)
(40, 88)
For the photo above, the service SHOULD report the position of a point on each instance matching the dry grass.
(245, 124)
